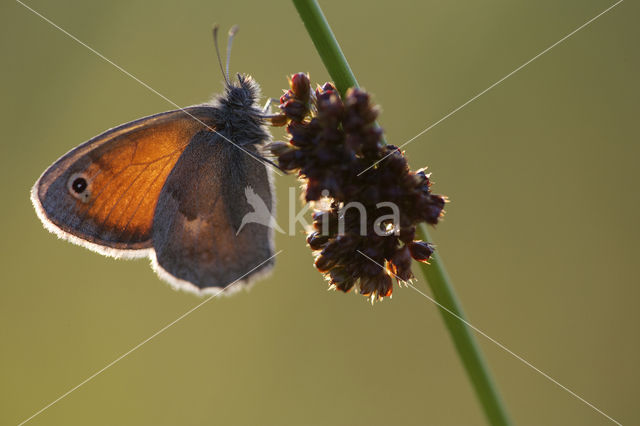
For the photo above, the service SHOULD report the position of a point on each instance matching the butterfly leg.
(267, 105)
(266, 160)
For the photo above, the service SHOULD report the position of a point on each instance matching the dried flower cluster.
(331, 142)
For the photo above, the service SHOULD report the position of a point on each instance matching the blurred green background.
(541, 236)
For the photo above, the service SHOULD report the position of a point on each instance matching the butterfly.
(171, 187)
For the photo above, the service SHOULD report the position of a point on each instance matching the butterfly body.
(171, 187)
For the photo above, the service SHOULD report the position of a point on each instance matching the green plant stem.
(435, 273)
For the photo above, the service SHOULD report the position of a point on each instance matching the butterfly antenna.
(215, 42)
(232, 32)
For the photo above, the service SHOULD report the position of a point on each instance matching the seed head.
(333, 143)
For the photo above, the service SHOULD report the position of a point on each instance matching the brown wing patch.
(124, 169)
(128, 181)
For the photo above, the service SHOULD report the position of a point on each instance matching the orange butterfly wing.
(103, 193)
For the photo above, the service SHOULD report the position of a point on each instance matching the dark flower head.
(295, 102)
(333, 144)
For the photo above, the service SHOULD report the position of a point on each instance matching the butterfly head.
(241, 95)
(236, 110)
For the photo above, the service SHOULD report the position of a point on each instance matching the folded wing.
(200, 210)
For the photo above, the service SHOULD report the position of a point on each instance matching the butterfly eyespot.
(78, 186)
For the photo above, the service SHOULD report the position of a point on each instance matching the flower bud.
(420, 250)
(317, 241)
(301, 87)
